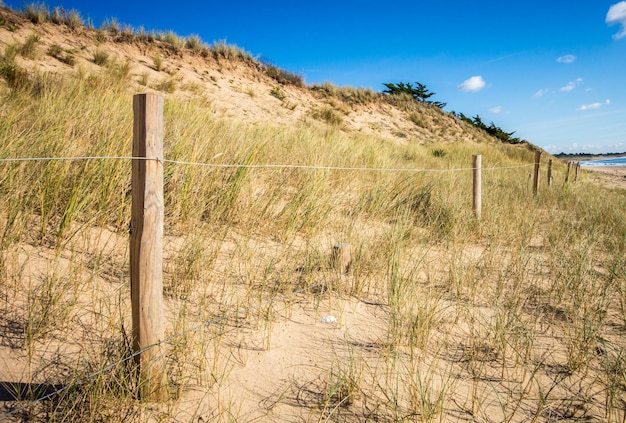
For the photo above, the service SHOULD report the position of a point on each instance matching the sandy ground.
(610, 176)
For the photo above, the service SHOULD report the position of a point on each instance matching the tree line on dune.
(420, 93)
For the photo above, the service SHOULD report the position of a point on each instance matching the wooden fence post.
(577, 174)
(536, 174)
(146, 244)
(569, 168)
(550, 172)
(477, 191)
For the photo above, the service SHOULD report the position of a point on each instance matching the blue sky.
(554, 71)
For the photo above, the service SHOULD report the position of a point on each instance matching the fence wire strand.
(258, 166)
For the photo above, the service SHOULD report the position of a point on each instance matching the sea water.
(617, 161)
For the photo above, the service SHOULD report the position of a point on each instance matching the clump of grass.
(58, 53)
(120, 72)
(439, 152)
(282, 76)
(222, 50)
(349, 95)
(172, 40)
(37, 13)
(15, 76)
(71, 18)
(143, 79)
(111, 25)
(417, 119)
(157, 62)
(28, 50)
(194, 43)
(278, 93)
(101, 35)
(168, 85)
(328, 115)
(100, 57)
(144, 36)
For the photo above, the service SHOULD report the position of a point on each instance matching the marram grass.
(518, 316)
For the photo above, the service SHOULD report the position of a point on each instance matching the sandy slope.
(233, 89)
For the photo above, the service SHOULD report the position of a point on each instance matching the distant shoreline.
(579, 157)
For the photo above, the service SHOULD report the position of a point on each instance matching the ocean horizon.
(616, 161)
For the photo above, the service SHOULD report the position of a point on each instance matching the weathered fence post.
(146, 244)
(577, 174)
(536, 174)
(550, 172)
(569, 168)
(477, 191)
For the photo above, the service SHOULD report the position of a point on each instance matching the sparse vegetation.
(417, 119)
(37, 13)
(278, 93)
(194, 43)
(282, 76)
(172, 39)
(222, 50)
(349, 95)
(100, 57)
(439, 152)
(328, 115)
(168, 85)
(71, 18)
(58, 53)
(28, 50)
(157, 63)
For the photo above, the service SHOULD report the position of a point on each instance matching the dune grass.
(518, 317)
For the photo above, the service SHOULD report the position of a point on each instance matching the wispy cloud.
(541, 93)
(617, 15)
(567, 59)
(497, 109)
(594, 106)
(475, 83)
(571, 85)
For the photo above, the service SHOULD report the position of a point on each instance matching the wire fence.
(259, 166)
(237, 312)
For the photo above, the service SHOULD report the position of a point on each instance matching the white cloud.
(617, 15)
(571, 85)
(475, 83)
(541, 93)
(594, 106)
(497, 109)
(567, 59)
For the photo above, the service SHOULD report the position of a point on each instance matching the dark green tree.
(419, 92)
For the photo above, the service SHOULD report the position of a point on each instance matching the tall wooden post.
(569, 168)
(550, 172)
(577, 174)
(536, 174)
(146, 244)
(477, 190)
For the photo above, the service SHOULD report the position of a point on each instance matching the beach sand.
(610, 176)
